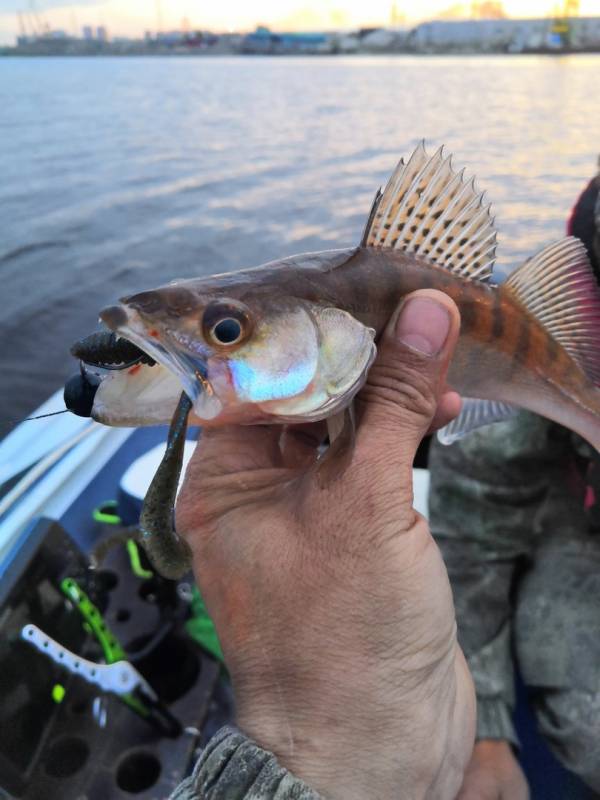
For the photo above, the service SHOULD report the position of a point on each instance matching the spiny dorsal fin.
(559, 288)
(432, 211)
(372, 212)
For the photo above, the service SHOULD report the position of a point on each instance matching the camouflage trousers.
(525, 573)
(554, 637)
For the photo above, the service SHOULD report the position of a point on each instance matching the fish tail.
(558, 287)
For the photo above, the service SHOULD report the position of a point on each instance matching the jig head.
(104, 350)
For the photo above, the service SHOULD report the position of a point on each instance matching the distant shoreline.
(560, 35)
(16, 53)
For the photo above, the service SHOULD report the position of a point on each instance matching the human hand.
(493, 774)
(333, 606)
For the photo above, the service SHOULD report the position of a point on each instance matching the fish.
(292, 341)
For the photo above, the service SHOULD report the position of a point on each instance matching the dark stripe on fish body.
(469, 313)
(559, 364)
(563, 363)
(553, 350)
(475, 321)
(523, 342)
(497, 316)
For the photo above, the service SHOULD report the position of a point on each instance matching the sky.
(133, 17)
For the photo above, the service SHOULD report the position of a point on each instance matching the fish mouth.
(190, 369)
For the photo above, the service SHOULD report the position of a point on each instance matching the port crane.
(32, 22)
(561, 27)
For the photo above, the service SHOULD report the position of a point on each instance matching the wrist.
(494, 720)
(494, 751)
(351, 740)
(494, 772)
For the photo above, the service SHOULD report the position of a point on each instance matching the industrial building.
(506, 35)
(486, 31)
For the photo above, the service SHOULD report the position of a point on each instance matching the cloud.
(12, 6)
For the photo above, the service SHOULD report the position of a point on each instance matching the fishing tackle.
(118, 677)
(51, 414)
(107, 350)
(104, 350)
(168, 553)
(80, 391)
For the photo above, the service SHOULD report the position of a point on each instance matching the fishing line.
(10, 428)
(51, 414)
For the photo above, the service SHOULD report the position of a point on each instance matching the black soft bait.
(109, 351)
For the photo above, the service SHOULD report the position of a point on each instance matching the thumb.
(407, 380)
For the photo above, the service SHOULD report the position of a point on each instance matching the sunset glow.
(133, 17)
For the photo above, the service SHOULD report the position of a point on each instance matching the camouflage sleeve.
(234, 768)
(485, 493)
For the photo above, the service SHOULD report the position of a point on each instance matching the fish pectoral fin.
(475, 414)
(559, 288)
(336, 426)
(430, 210)
(341, 428)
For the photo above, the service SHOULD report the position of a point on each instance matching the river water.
(119, 174)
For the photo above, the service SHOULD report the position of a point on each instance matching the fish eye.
(226, 323)
(227, 331)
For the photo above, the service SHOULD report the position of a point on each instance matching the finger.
(407, 380)
(236, 465)
(447, 409)
(236, 448)
(231, 466)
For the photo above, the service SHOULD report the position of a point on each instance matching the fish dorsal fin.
(559, 288)
(430, 210)
(475, 414)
